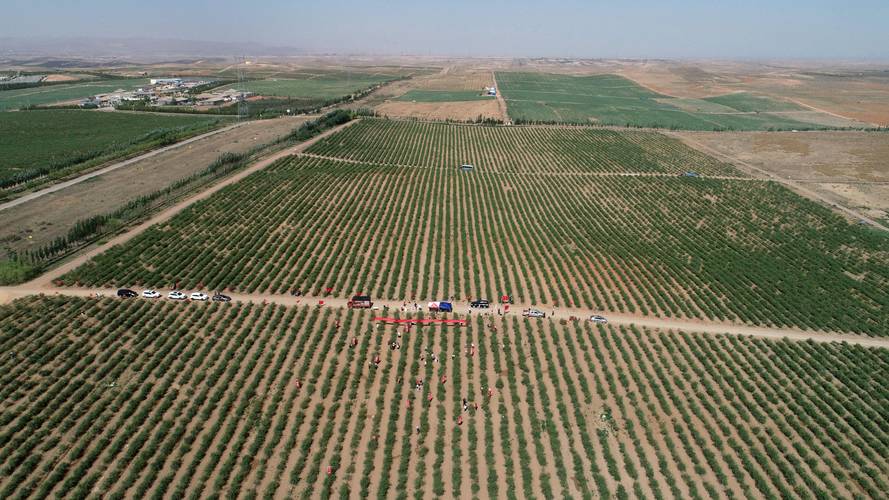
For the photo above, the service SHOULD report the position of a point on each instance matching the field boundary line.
(111, 168)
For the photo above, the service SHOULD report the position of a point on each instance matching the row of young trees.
(517, 149)
(190, 400)
(667, 246)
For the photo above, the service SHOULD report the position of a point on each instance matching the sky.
(751, 29)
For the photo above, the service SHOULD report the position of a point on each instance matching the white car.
(533, 313)
(150, 294)
(199, 296)
(176, 295)
(598, 319)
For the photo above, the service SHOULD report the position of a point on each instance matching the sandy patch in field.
(462, 110)
(60, 78)
(849, 168)
(813, 156)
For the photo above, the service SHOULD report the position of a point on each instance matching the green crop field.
(140, 399)
(615, 100)
(745, 102)
(37, 144)
(517, 149)
(443, 96)
(52, 94)
(583, 229)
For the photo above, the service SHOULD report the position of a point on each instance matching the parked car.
(176, 295)
(221, 298)
(480, 304)
(150, 294)
(126, 293)
(200, 296)
(360, 302)
(533, 313)
(598, 319)
(440, 306)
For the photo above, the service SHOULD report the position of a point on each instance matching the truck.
(360, 302)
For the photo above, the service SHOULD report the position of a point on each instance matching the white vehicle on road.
(533, 313)
(150, 294)
(599, 319)
(199, 296)
(176, 295)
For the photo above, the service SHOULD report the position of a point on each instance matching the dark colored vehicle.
(126, 293)
(445, 307)
(360, 302)
(221, 298)
(480, 304)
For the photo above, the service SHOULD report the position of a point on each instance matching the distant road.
(95, 173)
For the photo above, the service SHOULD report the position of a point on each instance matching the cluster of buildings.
(167, 92)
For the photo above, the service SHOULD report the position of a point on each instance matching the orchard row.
(748, 251)
(517, 149)
(139, 399)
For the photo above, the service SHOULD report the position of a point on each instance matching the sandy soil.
(60, 78)
(465, 110)
(38, 221)
(849, 168)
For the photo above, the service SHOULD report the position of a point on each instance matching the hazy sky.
(612, 28)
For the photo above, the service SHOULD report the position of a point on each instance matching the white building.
(165, 81)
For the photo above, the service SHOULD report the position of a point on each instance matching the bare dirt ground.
(452, 77)
(848, 168)
(37, 221)
(463, 111)
(60, 78)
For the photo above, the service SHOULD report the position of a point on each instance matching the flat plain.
(54, 94)
(619, 230)
(38, 222)
(35, 145)
(614, 100)
(134, 398)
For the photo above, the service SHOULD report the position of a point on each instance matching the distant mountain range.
(141, 49)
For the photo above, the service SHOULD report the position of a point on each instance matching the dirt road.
(110, 168)
(8, 294)
(500, 100)
(47, 278)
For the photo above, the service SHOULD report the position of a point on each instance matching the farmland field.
(444, 96)
(52, 94)
(519, 149)
(582, 231)
(315, 87)
(615, 100)
(139, 399)
(37, 143)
